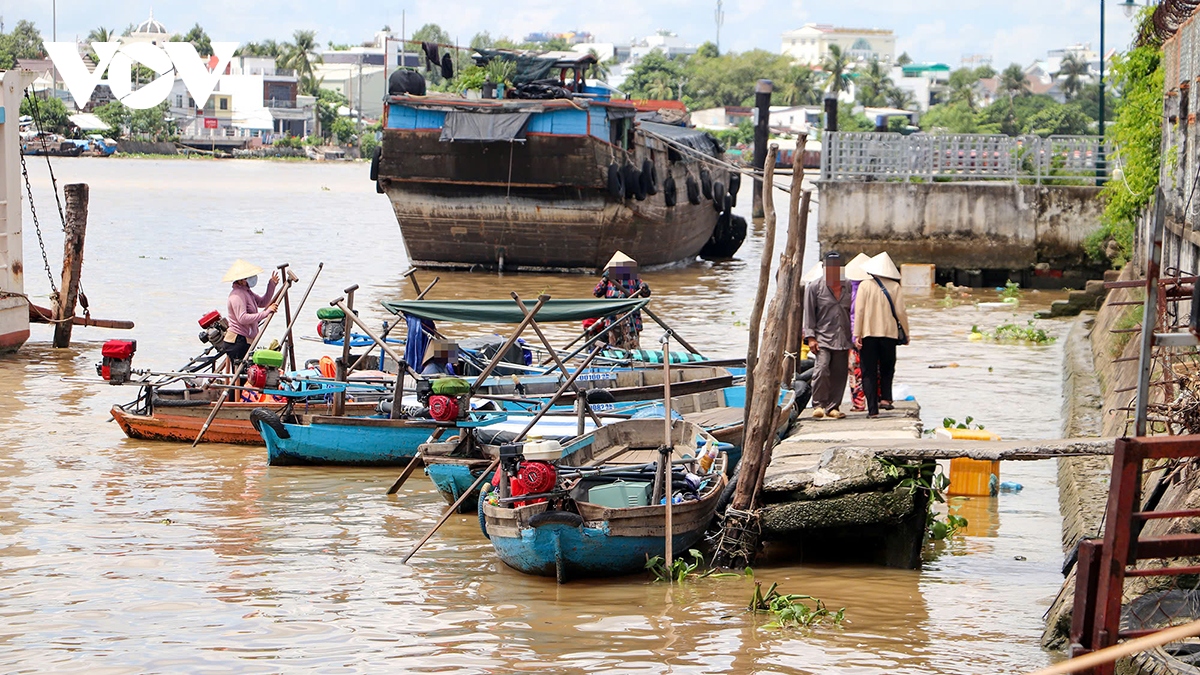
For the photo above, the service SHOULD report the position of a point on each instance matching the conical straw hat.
(241, 270)
(854, 270)
(815, 272)
(882, 266)
(619, 257)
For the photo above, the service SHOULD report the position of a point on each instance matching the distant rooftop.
(830, 28)
(151, 27)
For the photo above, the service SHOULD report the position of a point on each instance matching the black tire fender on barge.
(706, 184)
(669, 192)
(261, 416)
(719, 196)
(649, 178)
(735, 185)
(375, 163)
(693, 190)
(616, 186)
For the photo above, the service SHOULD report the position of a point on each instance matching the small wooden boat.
(719, 412)
(570, 535)
(353, 441)
(177, 415)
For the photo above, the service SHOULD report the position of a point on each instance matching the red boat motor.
(443, 408)
(528, 468)
(117, 363)
(332, 327)
(212, 328)
(264, 374)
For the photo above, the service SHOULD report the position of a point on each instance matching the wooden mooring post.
(797, 219)
(740, 531)
(764, 271)
(76, 195)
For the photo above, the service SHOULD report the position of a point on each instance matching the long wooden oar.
(666, 465)
(408, 469)
(242, 367)
(554, 355)
(671, 331)
(453, 507)
(492, 468)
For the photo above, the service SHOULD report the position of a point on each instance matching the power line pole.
(719, 15)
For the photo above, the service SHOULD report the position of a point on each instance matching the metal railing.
(1061, 160)
(278, 103)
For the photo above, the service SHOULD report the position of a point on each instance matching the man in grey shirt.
(827, 333)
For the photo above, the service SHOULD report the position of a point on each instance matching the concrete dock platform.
(828, 495)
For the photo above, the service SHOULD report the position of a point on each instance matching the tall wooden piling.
(76, 195)
(764, 269)
(739, 538)
(797, 220)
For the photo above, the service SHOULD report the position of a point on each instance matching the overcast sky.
(929, 30)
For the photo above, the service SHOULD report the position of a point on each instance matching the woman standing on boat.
(621, 280)
(246, 308)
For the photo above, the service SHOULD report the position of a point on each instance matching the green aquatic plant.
(1011, 290)
(792, 610)
(929, 478)
(681, 570)
(1011, 332)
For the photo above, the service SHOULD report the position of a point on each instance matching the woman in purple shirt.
(246, 309)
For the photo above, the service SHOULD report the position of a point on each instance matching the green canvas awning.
(506, 311)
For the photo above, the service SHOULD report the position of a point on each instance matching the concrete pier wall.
(980, 225)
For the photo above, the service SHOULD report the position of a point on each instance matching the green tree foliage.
(962, 86)
(837, 68)
(100, 34)
(1071, 71)
(956, 117)
(266, 48)
(741, 135)
(24, 42)
(482, 41)
(901, 98)
(729, 79)
(655, 76)
(849, 121)
(601, 69)
(51, 114)
(984, 71)
(328, 102)
(299, 57)
(1137, 134)
(708, 50)
(800, 87)
(1058, 119)
(125, 122)
(198, 38)
(342, 130)
(904, 59)
(1089, 101)
(873, 84)
(1013, 82)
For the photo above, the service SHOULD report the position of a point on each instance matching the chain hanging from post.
(37, 226)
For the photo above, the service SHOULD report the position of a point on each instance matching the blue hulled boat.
(599, 519)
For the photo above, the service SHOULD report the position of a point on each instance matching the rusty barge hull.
(543, 204)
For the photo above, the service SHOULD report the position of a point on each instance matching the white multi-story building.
(810, 43)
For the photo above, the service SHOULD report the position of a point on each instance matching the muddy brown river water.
(119, 555)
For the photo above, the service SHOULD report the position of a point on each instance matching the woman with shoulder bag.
(880, 323)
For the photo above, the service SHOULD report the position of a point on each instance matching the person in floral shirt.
(621, 280)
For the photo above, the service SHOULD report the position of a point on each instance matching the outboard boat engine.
(264, 374)
(117, 363)
(212, 328)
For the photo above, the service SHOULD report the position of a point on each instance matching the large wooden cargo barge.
(557, 184)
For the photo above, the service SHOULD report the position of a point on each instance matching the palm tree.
(800, 87)
(1013, 82)
(900, 98)
(299, 57)
(101, 34)
(963, 92)
(659, 88)
(1072, 70)
(836, 64)
(600, 69)
(873, 84)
